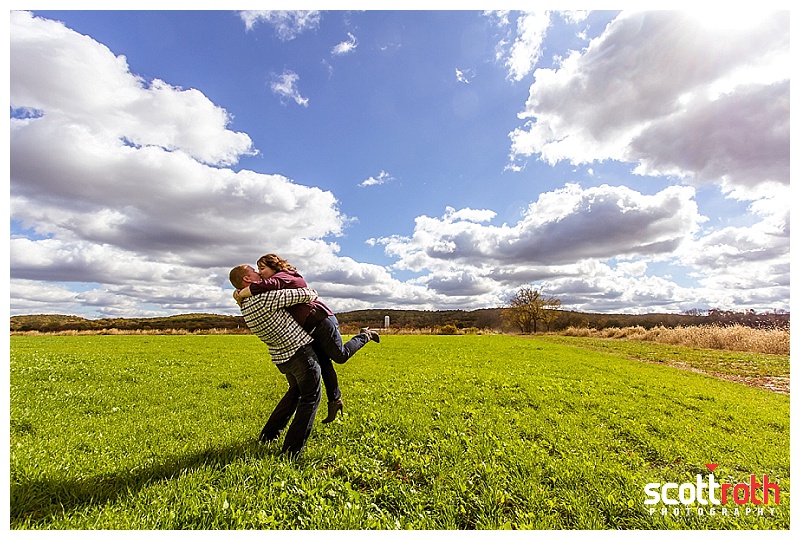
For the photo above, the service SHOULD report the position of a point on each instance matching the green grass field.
(439, 432)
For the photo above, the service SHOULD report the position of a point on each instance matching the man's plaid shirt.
(266, 318)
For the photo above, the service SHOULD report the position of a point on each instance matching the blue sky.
(623, 162)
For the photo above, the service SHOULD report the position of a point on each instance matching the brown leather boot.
(333, 407)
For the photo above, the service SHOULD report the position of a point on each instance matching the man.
(291, 352)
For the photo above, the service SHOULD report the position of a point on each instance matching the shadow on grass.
(34, 502)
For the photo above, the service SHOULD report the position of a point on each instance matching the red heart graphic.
(712, 466)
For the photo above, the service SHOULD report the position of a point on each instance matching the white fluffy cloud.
(661, 89)
(559, 228)
(77, 87)
(750, 265)
(527, 48)
(466, 255)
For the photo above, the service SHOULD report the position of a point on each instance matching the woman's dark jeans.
(328, 346)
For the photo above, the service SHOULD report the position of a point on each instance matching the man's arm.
(271, 284)
(274, 300)
(280, 280)
(241, 294)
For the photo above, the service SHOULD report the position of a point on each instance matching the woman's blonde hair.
(276, 263)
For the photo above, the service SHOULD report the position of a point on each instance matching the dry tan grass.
(732, 338)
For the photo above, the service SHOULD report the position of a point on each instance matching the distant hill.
(416, 319)
(191, 322)
(351, 321)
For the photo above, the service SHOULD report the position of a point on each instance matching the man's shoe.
(265, 438)
(333, 408)
(291, 455)
(268, 436)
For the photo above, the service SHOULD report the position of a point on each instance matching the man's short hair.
(237, 276)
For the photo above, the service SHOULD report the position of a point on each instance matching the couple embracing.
(303, 337)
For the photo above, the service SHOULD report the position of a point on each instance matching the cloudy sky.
(622, 161)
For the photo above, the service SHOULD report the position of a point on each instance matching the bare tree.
(550, 310)
(526, 308)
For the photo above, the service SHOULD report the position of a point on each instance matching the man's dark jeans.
(301, 399)
(328, 346)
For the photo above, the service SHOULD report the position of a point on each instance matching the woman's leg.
(328, 373)
(327, 337)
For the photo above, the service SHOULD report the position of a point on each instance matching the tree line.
(64, 323)
(546, 316)
(529, 310)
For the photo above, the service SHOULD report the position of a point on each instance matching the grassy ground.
(439, 432)
(767, 371)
